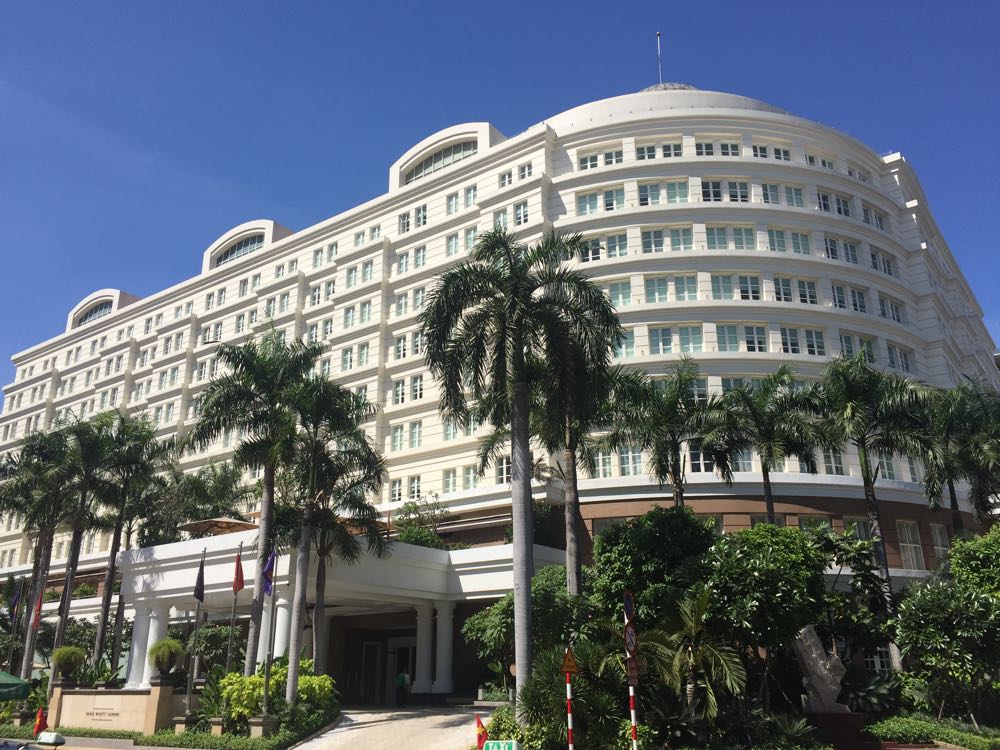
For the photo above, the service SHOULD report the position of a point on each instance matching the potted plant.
(164, 654)
(67, 659)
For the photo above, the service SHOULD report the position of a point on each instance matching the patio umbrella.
(13, 688)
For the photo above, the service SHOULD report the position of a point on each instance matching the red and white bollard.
(631, 708)
(569, 712)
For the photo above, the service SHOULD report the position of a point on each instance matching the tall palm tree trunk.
(263, 550)
(677, 479)
(522, 514)
(571, 503)
(768, 494)
(28, 657)
(875, 522)
(109, 585)
(298, 607)
(24, 624)
(320, 636)
(957, 524)
(71, 565)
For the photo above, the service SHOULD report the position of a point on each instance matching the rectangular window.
(329, 289)
(649, 195)
(776, 240)
(704, 148)
(671, 150)
(689, 338)
(617, 246)
(524, 171)
(890, 309)
(404, 223)
(699, 461)
(686, 288)
(362, 354)
(755, 338)
(910, 549)
(347, 360)
(402, 263)
(680, 239)
(823, 201)
(652, 241)
(644, 153)
(749, 288)
(656, 290)
(793, 196)
(711, 190)
(728, 338)
(400, 347)
(807, 292)
(521, 213)
(630, 461)
(416, 387)
(451, 245)
(743, 238)
(416, 433)
(419, 296)
(620, 293)
(470, 477)
(843, 206)
(716, 238)
(469, 196)
(449, 481)
(722, 287)
(627, 346)
(613, 157)
(402, 304)
(739, 192)
(506, 178)
(451, 204)
(349, 314)
(839, 296)
(590, 250)
(677, 192)
(939, 537)
(397, 437)
(417, 342)
(815, 344)
(660, 341)
(760, 152)
(366, 312)
(396, 491)
(833, 462)
(500, 219)
(858, 300)
(420, 257)
(769, 193)
(588, 162)
(729, 149)
(790, 340)
(398, 392)
(586, 204)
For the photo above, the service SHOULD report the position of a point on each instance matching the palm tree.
(134, 462)
(254, 398)
(88, 444)
(36, 489)
(660, 416)
(772, 417)
(483, 321)
(880, 415)
(963, 447)
(335, 467)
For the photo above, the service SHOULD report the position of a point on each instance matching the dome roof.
(670, 86)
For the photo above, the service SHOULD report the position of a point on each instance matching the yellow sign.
(569, 663)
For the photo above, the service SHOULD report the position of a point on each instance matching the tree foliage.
(975, 563)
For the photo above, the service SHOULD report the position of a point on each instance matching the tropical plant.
(213, 644)
(700, 659)
(67, 659)
(336, 469)
(482, 322)
(772, 417)
(35, 487)
(165, 654)
(664, 416)
(880, 415)
(253, 397)
(766, 584)
(134, 462)
(659, 556)
(975, 563)
(961, 448)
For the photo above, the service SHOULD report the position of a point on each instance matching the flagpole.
(194, 647)
(269, 654)
(232, 614)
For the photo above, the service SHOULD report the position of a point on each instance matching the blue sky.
(132, 134)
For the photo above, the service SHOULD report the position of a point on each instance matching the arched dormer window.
(241, 248)
(97, 311)
(442, 158)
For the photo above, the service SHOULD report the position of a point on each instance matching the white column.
(159, 617)
(443, 682)
(140, 645)
(282, 627)
(265, 629)
(425, 646)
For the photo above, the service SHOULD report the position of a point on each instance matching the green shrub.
(68, 659)
(901, 729)
(51, 596)
(84, 590)
(503, 725)
(165, 654)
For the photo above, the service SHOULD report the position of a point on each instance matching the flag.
(64, 602)
(199, 582)
(238, 582)
(38, 611)
(268, 583)
(481, 735)
(15, 603)
(40, 724)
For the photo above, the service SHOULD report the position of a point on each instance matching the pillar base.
(184, 723)
(23, 718)
(216, 724)
(262, 726)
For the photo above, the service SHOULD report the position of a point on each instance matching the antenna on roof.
(659, 64)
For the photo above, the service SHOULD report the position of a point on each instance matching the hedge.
(908, 729)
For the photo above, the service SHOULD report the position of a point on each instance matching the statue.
(821, 674)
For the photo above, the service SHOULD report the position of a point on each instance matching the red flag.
(238, 583)
(481, 735)
(38, 611)
(40, 724)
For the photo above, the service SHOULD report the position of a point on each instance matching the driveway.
(382, 729)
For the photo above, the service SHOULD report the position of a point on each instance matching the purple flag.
(268, 583)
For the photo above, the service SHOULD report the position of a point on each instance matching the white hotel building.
(721, 226)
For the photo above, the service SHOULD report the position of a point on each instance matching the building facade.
(721, 227)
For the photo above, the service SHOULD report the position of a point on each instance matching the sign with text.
(502, 745)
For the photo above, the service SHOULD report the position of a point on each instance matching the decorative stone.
(184, 723)
(262, 726)
(216, 724)
(821, 674)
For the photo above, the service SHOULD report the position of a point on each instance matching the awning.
(13, 688)
(216, 526)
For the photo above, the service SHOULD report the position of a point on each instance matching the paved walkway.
(382, 729)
